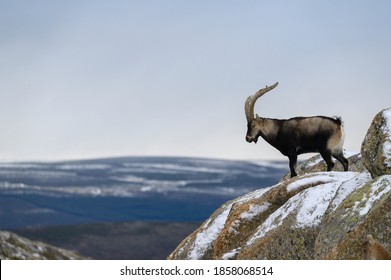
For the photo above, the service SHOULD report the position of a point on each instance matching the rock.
(316, 215)
(15, 247)
(376, 147)
(366, 210)
(324, 215)
(293, 227)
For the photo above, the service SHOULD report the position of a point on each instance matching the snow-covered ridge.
(130, 177)
(44, 192)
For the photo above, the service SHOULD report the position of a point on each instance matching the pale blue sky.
(89, 79)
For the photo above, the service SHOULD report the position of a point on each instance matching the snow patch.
(307, 181)
(254, 210)
(310, 204)
(387, 143)
(208, 235)
(254, 194)
(387, 117)
(348, 187)
(313, 203)
(275, 219)
(86, 166)
(321, 177)
(379, 187)
(231, 254)
(170, 168)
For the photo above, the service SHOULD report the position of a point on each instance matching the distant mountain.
(125, 189)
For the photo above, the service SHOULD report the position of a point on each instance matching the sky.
(89, 79)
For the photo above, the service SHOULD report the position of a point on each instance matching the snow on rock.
(362, 206)
(313, 203)
(253, 195)
(316, 215)
(379, 187)
(293, 210)
(230, 255)
(348, 187)
(387, 142)
(376, 147)
(315, 179)
(208, 234)
(254, 210)
(304, 200)
(274, 220)
(310, 204)
(210, 230)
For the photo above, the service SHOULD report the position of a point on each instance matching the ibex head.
(254, 123)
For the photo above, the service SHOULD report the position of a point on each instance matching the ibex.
(299, 135)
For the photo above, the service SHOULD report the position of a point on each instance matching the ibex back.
(299, 135)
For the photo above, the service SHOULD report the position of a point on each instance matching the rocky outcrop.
(317, 215)
(376, 147)
(15, 247)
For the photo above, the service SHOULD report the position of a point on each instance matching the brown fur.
(373, 250)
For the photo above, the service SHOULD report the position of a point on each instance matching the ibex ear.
(256, 116)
